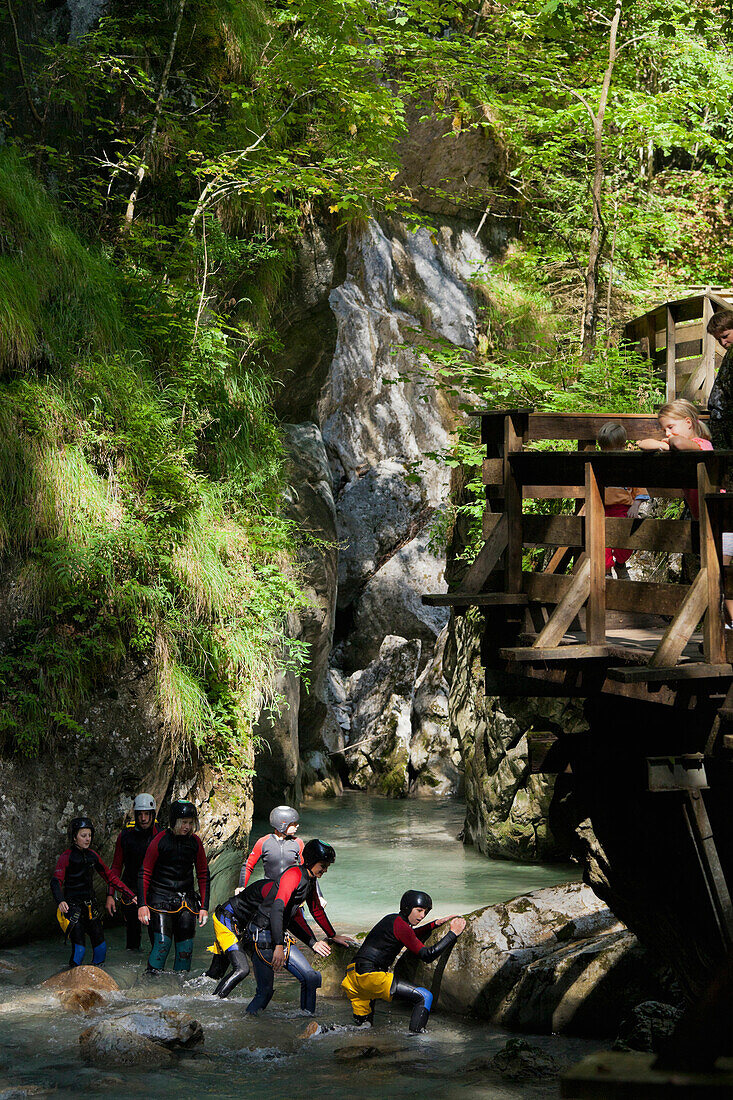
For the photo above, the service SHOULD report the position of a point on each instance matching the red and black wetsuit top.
(73, 879)
(130, 849)
(387, 938)
(279, 908)
(166, 874)
(242, 908)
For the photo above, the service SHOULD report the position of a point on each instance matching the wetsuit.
(278, 911)
(369, 979)
(277, 854)
(166, 886)
(73, 882)
(130, 849)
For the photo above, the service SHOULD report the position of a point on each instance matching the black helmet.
(415, 899)
(182, 808)
(77, 824)
(315, 851)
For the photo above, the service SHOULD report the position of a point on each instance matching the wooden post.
(595, 547)
(512, 509)
(713, 630)
(651, 335)
(671, 388)
(708, 349)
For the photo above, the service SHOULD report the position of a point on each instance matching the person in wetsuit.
(169, 905)
(72, 886)
(130, 849)
(277, 912)
(278, 850)
(369, 978)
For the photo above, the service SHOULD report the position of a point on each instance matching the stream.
(383, 847)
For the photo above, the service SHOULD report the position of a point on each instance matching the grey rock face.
(506, 806)
(435, 761)
(555, 960)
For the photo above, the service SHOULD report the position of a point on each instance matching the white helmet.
(282, 816)
(144, 802)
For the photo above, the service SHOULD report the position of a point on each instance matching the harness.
(184, 900)
(257, 935)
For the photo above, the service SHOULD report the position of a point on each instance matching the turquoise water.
(383, 847)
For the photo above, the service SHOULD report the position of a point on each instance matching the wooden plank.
(575, 595)
(670, 469)
(512, 506)
(492, 471)
(713, 629)
(553, 492)
(651, 334)
(671, 536)
(595, 548)
(487, 558)
(585, 426)
(694, 382)
(568, 652)
(475, 599)
(492, 423)
(687, 349)
(649, 597)
(631, 1075)
(708, 346)
(671, 372)
(692, 671)
(683, 625)
(489, 521)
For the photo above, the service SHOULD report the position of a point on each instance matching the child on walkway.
(683, 431)
(619, 501)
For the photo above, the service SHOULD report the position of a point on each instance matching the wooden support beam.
(649, 597)
(512, 507)
(704, 841)
(575, 596)
(488, 557)
(595, 548)
(670, 388)
(683, 625)
(532, 654)
(695, 381)
(677, 673)
(667, 469)
(713, 629)
(492, 471)
(476, 599)
(671, 536)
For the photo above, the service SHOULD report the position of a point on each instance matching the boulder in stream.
(81, 977)
(143, 1037)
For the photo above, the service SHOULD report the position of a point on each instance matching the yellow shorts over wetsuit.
(363, 989)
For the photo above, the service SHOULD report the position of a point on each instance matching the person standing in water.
(278, 911)
(369, 977)
(72, 886)
(130, 849)
(169, 905)
(278, 850)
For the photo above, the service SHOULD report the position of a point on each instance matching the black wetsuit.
(130, 849)
(377, 954)
(166, 885)
(278, 910)
(73, 882)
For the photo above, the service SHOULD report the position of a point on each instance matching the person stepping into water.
(72, 886)
(369, 978)
(169, 905)
(130, 849)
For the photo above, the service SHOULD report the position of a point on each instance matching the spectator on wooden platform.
(619, 501)
(720, 402)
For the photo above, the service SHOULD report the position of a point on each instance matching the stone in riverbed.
(81, 977)
(647, 1027)
(142, 1037)
(80, 1000)
(518, 1061)
(333, 968)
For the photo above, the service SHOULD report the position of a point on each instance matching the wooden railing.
(574, 576)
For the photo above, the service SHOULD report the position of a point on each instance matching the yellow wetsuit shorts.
(362, 989)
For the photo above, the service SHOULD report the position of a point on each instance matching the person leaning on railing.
(720, 407)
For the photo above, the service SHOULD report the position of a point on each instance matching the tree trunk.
(598, 229)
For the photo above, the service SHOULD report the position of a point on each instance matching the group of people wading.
(157, 871)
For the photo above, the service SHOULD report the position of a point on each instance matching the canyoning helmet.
(182, 808)
(144, 802)
(80, 823)
(315, 851)
(415, 899)
(283, 816)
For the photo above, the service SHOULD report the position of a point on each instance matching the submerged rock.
(520, 1061)
(81, 978)
(647, 1027)
(141, 1037)
(80, 1000)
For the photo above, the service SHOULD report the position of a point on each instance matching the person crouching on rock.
(279, 911)
(130, 849)
(72, 886)
(169, 905)
(369, 978)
